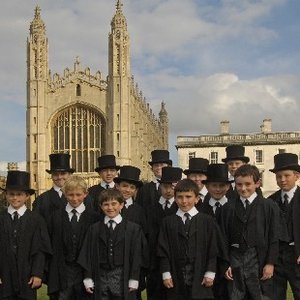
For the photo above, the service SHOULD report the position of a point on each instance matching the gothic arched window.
(79, 131)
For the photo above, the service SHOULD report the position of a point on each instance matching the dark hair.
(186, 185)
(248, 170)
(110, 194)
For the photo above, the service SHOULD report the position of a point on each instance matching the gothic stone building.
(86, 115)
(260, 147)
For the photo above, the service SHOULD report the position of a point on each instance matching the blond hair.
(75, 182)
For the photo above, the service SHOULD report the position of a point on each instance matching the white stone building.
(260, 147)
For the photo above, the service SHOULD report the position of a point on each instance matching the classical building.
(88, 115)
(260, 147)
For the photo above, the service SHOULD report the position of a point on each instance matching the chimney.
(266, 127)
(225, 127)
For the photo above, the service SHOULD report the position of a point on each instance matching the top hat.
(19, 181)
(235, 152)
(285, 161)
(107, 162)
(60, 162)
(170, 175)
(160, 156)
(217, 173)
(129, 174)
(197, 165)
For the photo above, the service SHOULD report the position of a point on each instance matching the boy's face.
(60, 177)
(197, 178)
(75, 197)
(127, 189)
(217, 189)
(111, 208)
(17, 198)
(245, 186)
(287, 179)
(186, 200)
(167, 190)
(233, 165)
(157, 169)
(108, 175)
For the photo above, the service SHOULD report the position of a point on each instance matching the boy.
(235, 158)
(197, 172)
(111, 253)
(187, 247)
(149, 193)
(287, 199)
(24, 242)
(67, 229)
(53, 199)
(218, 184)
(107, 171)
(128, 183)
(155, 214)
(251, 234)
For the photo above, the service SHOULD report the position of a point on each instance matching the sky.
(210, 60)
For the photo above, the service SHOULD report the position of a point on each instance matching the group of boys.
(209, 236)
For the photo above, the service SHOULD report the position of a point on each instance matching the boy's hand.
(35, 282)
(168, 283)
(0, 281)
(298, 260)
(228, 274)
(268, 271)
(207, 282)
(89, 290)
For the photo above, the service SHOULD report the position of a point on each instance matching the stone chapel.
(88, 115)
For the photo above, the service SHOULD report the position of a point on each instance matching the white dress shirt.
(79, 210)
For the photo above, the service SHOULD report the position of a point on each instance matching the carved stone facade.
(260, 147)
(84, 114)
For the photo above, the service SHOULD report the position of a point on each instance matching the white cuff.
(88, 283)
(210, 275)
(133, 284)
(166, 275)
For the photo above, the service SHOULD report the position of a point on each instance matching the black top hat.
(107, 162)
(129, 174)
(286, 161)
(18, 180)
(160, 156)
(60, 162)
(197, 165)
(235, 152)
(170, 175)
(217, 173)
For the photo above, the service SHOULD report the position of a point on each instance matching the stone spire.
(37, 26)
(163, 117)
(119, 20)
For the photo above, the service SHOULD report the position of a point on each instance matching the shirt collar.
(203, 191)
(56, 188)
(21, 210)
(117, 219)
(80, 209)
(128, 202)
(162, 200)
(192, 212)
(111, 185)
(290, 193)
(250, 199)
(222, 201)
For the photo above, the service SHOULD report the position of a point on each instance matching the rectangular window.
(258, 156)
(192, 155)
(214, 157)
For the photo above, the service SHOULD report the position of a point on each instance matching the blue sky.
(209, 59)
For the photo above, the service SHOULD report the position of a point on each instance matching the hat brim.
(221, 180)
(60, 170)
(137, 183)
(18, 188)
(289, 167)
(98, 169)
(245, 159)
(189, 171)
(168, 162)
